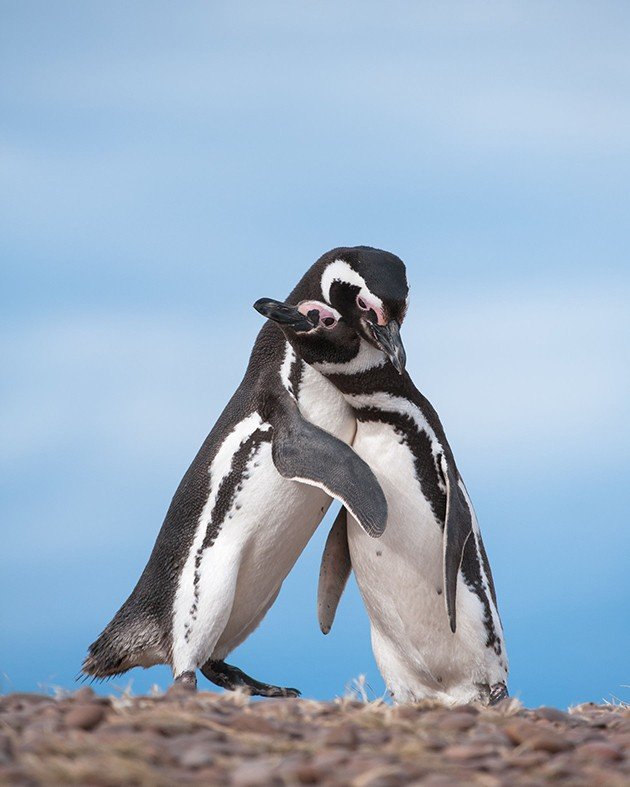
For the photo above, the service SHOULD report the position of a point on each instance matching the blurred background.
(165, 164)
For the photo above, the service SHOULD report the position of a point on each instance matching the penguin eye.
(361, 303)
(328, 322)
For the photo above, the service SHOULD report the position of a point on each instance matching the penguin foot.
(498, 692)
(187, 680)
(229, 677)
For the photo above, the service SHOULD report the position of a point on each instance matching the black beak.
(388, 339)
(283, 314)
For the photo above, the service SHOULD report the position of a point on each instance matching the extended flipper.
(304, 452)
(457, 531)
(229, 677)
(334, 571)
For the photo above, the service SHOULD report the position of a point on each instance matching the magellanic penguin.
(244, 511)
(426, 584)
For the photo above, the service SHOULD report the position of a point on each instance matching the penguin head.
(318, 332)
(368, 288)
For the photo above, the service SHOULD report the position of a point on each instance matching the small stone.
(405, 712)
(551, 714)
(328, 759)
(519, 731)
(85, 717)
(196, 756)
(345, 736)
(458, 722)
(435, 743)
(249, 722)
(548, 741)
(307, 774)
(6, 752)
(494, 736)
(254, 773)
(40, 729)
(170, 725)
(599, 751)
(467, 751)
(84, 694)
(527, 759)
(471, 709)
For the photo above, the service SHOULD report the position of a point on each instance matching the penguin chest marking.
(322, 404)
(412, 641)
(252, 529)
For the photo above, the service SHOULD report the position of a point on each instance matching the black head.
(318, 333)
(368, 288)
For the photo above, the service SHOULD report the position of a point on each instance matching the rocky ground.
(204, 738)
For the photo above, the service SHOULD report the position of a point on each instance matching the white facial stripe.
(339, 270)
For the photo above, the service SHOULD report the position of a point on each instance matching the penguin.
(244, 511)
(427, 584)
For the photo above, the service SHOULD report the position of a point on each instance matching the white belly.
(400, 578)
(226, 588)
(274, 524)
(283, 517)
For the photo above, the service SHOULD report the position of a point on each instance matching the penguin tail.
(126, 642)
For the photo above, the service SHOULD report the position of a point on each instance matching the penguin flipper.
(303, 452)
(457, 531)
(334, 571)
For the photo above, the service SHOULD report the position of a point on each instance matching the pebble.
(5, 749)
(458, 722)
(85, 717)
(551, 714)
(84, 694)
(198, 755)
(255, 773)
(405, 712)
(527, 759)
(250, 722)
(599, 751)
(471, 709)
(463, 751)
(548, 741)
(345, 736)
(519, 731)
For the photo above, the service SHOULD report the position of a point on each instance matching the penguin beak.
(283, 314)
(388, 339)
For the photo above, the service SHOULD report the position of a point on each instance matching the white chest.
(401, 581)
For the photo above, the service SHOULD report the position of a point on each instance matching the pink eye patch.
(318, 313)
(366, 304)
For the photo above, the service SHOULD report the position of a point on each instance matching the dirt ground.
(206, 738)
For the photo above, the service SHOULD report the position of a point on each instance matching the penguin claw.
(280, 691)
(498, 693)
(229, 677)
(186, 680)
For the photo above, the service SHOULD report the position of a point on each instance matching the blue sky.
(163, 165)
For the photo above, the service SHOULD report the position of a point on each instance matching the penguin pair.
(326, 371)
